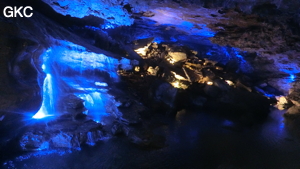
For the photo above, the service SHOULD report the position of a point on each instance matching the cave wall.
(244, 5)
(22, 41)
(19, 73)
(116, 12)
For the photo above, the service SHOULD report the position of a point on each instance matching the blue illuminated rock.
(32, 141)
(113, 11)
(62, 133)
(62, 140)
(166, 93)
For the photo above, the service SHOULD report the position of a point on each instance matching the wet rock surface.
(61, 134)
(269, 35)
(293, 103)
(175, 69)
(176, 84)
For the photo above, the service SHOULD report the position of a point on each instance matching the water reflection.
(273, 131)
(194, 140)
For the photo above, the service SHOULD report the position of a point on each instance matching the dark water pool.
(194, 140)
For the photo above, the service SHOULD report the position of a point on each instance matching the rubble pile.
(171, 78)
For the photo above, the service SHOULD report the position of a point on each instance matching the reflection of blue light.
(228, 123)
(265, 93)
(224, 54)
(143, 36)
(42, 153)
(281, 126)
(291, 70)
(44, 67)
(203, 31)
(292, 77)
(150, 22)
(102, 84)
(237, 54)
(269, 95)
(187, 25)
(205, 34)
(92, 28)
(209, 53)
(107, 25)
(244, 66)
(173, 39)
(158, 40)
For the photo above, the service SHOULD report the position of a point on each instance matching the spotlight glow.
(48, 102)
(210, 83)
(230, 83)
(102, 84)
(179, 85)
(292, 77)
(176, 84)
(142, 51)
(178, 76)
(40, 115)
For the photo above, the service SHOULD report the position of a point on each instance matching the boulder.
(166, 93)
(293, 111)
(62, 140)
(153, 71)
(281, 102)
(178, 56)
(93, 137)
(295, 97)
(32, 141)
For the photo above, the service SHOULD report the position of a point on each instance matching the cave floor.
(194, 140)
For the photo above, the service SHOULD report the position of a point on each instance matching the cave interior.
(150, 84)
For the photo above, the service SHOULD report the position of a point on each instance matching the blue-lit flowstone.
(65, 65)
(95, 104)
(47, 108)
